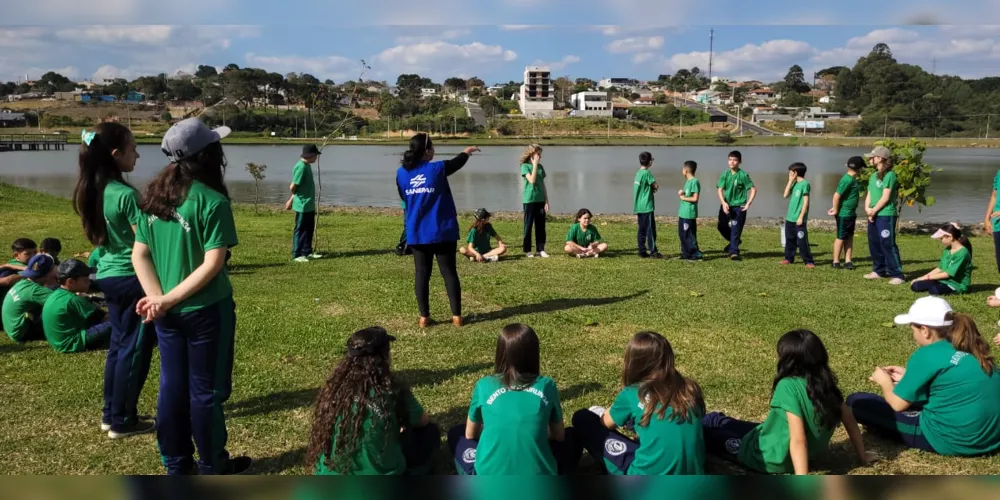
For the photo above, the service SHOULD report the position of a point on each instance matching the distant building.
(427, 92)
(629, 84)
(495, 90)
(762, 94)
(643, 101)
(8, 119)
(134, 96)
(537, 93)
(68, 96)
(591, 104)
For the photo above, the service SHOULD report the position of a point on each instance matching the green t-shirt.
(765, 449)
(961, 403)
(958, 265)
(642, 192)
(735, 187)
(515, 423)
(203, 222)
(533, 193)
(121, 211)
(481, 239)
(689, 210)
(996, 206)
(583, 237)
(380, 452)
(65, 318)
(667, 446)
(796, 199)
(304, 198)
(24, 299)
(94, 261)
(875, 188)
(849, 190)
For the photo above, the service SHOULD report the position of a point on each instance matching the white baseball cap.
(927, 311)
(940, 233)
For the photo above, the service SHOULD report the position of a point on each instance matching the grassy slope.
(294, 319)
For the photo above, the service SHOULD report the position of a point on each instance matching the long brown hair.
(529, 152)
(517, 357)
(480, 224)
(360, 386)
(98, 167)
(888, 168)
(956, 233)
(649, 362)
(964, 336)
(169, 188)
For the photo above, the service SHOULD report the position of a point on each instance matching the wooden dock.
(32, 142)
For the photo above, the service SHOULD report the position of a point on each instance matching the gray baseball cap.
(881, 152)
(188, 137)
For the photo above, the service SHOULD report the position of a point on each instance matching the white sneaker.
(105, 427)
(896, 281)
(493, 258)
(579, 255)
(316, 256)
(301, 259)
(472, 259)
(596, 255)
(543, 255)
(597, 410)
(530, 255)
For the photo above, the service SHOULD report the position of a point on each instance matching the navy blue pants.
(302, 237)
(882, 246)
(647, 234)
(98, 336)
(566, 452)
(797, 238)
(129, 352)
(724, 434)
(607, 447)
(933, 287)
(196, 378)
(872, 411)
(419, 445)
(731, 228)
(687, 231)
(996, 248)
(534, 215)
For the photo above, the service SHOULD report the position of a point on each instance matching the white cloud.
(441, 59)
(769, 60)
(558, 65)
(522, 27)
(635, 44)
(152, 34)
(643, 57)
(450, 34)
(332, 67)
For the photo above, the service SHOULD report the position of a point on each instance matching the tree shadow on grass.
(237, 269)
(358, 253)
(12, 347)
(550, 305)
(424, 377)
(282, 462)
(577, 390)
(981, 288)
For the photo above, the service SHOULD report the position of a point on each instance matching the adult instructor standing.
(303, 201)
(431, 221)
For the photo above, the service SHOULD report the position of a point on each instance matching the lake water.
(599, 178)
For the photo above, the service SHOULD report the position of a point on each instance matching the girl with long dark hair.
(954, 273)
(179, 256)
(479, 249)
(108, 207)
(947, 399)
(431, 221)
(882, 208)
(663, 407)
(806, 407)
(359, 412)
(515, 424)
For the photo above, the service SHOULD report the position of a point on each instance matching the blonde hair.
(529, 152)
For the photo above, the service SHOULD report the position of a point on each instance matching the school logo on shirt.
(418, 181)
(687, 226)
(878, 184)
(885, 233)
(957, 357)
(911, 414)
(802, 234)
(733, 446)
(614, 447)
(734, 223)
(469, 456)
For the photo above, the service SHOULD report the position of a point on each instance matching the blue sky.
(493, 40)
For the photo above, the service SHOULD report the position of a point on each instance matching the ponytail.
(956, 233)
(964, 336)
(98, 167)
(419, 145)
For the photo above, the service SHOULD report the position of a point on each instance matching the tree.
(912, 173)
(475, 82)
(230, 67)
(563, 90)
(455, 83)
(491, 106)
(205, 71)
(257, 172)
(661, 98)
(165, 116)
(721, 86)
(795, 80)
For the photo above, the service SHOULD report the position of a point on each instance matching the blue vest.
(430, 209)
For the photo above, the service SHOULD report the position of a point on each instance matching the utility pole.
(609, 124)
(988, 125)
(885, 131)
(711, 53)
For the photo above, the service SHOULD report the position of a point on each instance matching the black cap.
(310, 150)
(380, 338)
(856, 163)
(72, 268)
(482, 213)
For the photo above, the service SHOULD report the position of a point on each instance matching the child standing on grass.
(536, 199)
(515, 424)
(687, 224)
(806, 407)
(797, 218)
(479, 249)
(663, 407)
(954, 273)
(882, 211)
(583, 239)
(645, 206)
(947, 399)
(71, 322)
(367, 421)
(22, 305)
(845, 208)
(303, 202)
(736, 192)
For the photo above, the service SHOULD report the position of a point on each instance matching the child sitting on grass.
(22, 306)
(367, 421)
(947, 399)
(52, 247)
(806, 407)
(583, 239)
(663, 407)
(22, 250)
(479, 249)
(71, 322)
(954, 273)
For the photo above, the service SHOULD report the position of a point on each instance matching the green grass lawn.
(723, 319)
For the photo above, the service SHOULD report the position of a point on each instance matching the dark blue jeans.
(724, 435)
(129, 352)
(605, 446)
(933, 287)
(996, 248)
(872, 411)
(882, 246)
(797, 238)
(687, 231)
(302, 237)
(731, 228)
(567, 452)
(534, 216)
(196, 372)
(647, 233)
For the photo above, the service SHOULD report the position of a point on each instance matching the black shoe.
(643, 255)
(400, 251)
(836, 265)
(849, 266)
(237, 466)
(139, 427)
(735, 256)
(656, 255)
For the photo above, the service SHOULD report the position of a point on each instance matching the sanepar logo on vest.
(417, 181)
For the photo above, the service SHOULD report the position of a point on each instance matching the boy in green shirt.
(644, 206)
(583, 239)
(797, 218)
(736, 192)
(22, 250)
(687, 225)
(22, 306)
(845, 208)
(303, 202)
(71, 322)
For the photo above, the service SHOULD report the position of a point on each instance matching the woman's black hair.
(801, 354)
(419, 145)
(583, 211)
(957, 234)
(98, 167)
